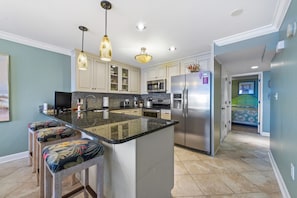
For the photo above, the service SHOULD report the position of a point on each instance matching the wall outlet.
(292, 171)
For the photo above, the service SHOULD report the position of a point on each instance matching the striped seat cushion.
(70, 153)
(55, 133)
(43, 124)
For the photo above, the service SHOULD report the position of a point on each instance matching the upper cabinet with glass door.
(125, 79)
(119, 78)
(114, 78)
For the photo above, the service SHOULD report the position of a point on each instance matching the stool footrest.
(91, 191)
(73, 192)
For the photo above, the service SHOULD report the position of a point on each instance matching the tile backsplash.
(95, 100)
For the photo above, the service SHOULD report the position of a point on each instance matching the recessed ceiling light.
(237, 12)
(254, 67)
(172, 48)
(140, 27)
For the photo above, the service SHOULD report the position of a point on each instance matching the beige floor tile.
(195, 167)
(184, 185)
(259, 164)
(264, 180)
(246, 195)
(179, 169)
(211, 184)
(19, 189)
(238, 183)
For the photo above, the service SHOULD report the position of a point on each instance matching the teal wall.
(266, 101)
(244, 100)
(283, 125)
(34, 76)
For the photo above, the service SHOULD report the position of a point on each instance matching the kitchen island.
(139, 159)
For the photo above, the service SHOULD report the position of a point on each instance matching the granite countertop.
(111, 127)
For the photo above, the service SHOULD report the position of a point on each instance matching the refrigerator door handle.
(186, 102)
(183, 103)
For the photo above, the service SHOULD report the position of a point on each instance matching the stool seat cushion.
(70, 153)
(55, 133)
(43, 124)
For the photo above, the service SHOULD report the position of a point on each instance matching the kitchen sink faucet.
(86, 100)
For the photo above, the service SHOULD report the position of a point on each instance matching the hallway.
(241, 168)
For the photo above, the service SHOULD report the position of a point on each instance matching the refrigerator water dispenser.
(177, 101)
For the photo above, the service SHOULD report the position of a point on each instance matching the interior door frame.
(260, 97)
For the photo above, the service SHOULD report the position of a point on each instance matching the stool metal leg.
(35, 153)
(30, 149)
(57, 185)
(40, 174)
(86, 182)
(100, 178)
(47, 183)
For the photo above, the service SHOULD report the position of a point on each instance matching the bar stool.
(49, 136)
(32, 128)
(66, 158)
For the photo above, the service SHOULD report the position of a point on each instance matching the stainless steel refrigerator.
(191, 106)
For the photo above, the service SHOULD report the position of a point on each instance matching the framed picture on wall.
(246, 88)
(4, 88)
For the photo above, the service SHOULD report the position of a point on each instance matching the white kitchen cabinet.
(134, 80)
(185, 63)
(123, 79)
(166, 114)
(173, 69)
(94, 79)
(136, 111)
(156, 72)
(203, 60)
(118, 78)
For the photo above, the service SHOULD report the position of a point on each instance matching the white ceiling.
(190, 25)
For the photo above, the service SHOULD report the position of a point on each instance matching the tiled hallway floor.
(240, 169)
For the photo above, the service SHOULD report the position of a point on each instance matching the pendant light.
(105, 46)
(143, 57)
(82, 60)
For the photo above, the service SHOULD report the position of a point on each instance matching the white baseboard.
(263, 133)
(13, 157)
(280, 181)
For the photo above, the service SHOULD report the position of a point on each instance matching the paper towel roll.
(105, 102)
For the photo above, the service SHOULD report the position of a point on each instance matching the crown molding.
(280, 12)
(246, 35)
(278, 17)
(33, 43)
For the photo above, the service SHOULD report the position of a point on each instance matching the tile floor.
(241, 169)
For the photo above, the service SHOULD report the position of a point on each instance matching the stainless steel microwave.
(156, 85)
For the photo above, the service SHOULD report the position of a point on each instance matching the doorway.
(246, 103)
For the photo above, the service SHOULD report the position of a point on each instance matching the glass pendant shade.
(105, 49)
(82, 61)
(143, 57)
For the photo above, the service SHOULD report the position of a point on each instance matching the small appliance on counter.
(148, 103)
(105, 102)
(140, 103)
(125, 103)
(135, 102)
